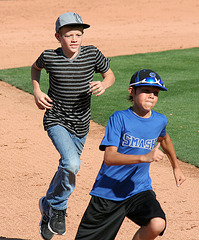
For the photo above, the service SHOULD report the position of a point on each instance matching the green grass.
(179, 71)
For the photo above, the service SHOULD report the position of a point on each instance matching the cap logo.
(78, 18)
(152, 74)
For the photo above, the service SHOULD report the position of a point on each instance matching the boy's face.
(145, 98)
(70, 39)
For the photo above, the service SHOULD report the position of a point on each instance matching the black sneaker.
(56, 223)
(43, 226)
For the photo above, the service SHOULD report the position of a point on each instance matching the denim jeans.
(63, 183)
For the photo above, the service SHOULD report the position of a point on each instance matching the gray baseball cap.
(69, 18)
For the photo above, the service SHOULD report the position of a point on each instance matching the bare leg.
(151, 230)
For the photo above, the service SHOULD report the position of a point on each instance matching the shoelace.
(60, 215)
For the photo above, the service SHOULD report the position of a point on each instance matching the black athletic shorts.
(103, 218)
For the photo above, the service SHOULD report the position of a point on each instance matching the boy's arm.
(113, 157)
(167, 146)
(100, 87)
(42, 100)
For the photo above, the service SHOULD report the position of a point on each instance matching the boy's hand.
(42, 100)
(179, 176)
(154, 155)
(97, 87)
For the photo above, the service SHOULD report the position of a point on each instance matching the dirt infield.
(28, 159)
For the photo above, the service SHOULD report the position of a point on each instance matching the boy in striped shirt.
(71, 68)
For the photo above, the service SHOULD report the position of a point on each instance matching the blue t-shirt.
(132, 135)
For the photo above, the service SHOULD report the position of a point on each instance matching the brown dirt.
(28, 159)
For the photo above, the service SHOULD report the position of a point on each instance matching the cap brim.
(151, 85)
(86, 25)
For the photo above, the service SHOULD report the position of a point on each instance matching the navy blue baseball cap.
(147, 77)
(69, 18)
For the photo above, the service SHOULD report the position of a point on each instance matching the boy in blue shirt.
(123, 185)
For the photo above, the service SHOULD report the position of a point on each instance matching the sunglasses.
(150, 80)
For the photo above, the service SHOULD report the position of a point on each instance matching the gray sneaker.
(56, 222)
(43, 226)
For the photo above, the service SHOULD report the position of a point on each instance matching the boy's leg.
(63, 183)
(64, 180)
(151, 230)
(146, 211)
(102, 220)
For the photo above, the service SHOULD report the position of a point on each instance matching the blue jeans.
(63, 183)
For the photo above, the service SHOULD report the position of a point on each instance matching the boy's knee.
(75, 169)
(71, 166)
(158, 225)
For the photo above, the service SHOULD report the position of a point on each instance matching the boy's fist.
(155, 155)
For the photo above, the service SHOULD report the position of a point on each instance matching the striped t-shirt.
(69, 87)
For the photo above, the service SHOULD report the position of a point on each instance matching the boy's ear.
(130, 90)
(57, 35)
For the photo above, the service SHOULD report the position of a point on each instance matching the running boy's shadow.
(4, 238)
